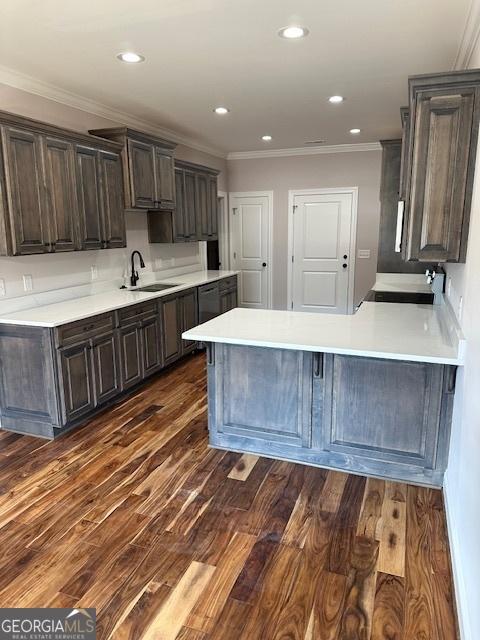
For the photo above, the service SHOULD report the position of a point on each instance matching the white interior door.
(322, 251)
(250, 233)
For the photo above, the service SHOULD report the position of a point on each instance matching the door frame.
(353, 239)
(269, 258)
(224, 231)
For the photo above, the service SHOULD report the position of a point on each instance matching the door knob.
(264, 264)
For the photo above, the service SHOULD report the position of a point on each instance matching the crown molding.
(470, 36)
(26, 83)
(304, 151)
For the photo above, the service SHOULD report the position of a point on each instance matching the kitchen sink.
(156, 287)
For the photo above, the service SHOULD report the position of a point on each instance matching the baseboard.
(461, 598)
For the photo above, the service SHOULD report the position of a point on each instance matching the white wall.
(64, 270)
(353, 169)
(462, 482)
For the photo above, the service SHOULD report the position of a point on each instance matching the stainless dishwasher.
(208, 302)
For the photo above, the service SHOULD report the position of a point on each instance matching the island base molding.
(377, 417)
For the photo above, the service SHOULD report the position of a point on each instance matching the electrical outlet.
(364, 253)
(94, 272)
(2, 287)
(27, 283)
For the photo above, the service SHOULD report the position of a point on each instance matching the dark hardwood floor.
(133, 514)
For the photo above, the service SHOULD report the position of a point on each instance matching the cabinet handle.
(210, 353)
(318, 365)
(452, 380)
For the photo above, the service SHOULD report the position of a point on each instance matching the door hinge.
(295, 207)
(234, 209)
(293, 259)
(234, 255)
(291, 305)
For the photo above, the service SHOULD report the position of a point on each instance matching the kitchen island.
(370, 393)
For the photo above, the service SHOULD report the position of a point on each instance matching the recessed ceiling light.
(221, 110)
(130, 56)
(293, 32)
(267, 138)
(336, 99)
(354, 131)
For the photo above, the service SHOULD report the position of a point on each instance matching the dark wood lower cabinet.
(78, 387)
(376, 417)
(54, 379)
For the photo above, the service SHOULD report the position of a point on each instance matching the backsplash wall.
(61, 270)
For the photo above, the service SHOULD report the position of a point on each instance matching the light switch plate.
(364, 253)
(27, 283)
(2, 287)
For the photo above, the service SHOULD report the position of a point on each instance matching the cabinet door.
(405, 118)
(202, 206)
(89, 198)
(111, 180)
(106, 368)
(224, 302)
(59, 162)
(25, 191)
(78, 385)
(438, 192)
(164, 178)
(171, 323)
(212, 208)
(180, 213)
(141, 158)
(151, 342)
(131, 355)
(191, 230)
(385, 410)
(189, 312)
(232, 299)
(277, 408)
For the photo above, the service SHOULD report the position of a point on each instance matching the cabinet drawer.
(83, 329)
(137, 312)
(228, 283)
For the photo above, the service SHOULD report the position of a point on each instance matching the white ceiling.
(202, 53)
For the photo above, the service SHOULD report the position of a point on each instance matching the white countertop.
(381, 330)
(398, 282)
(53, 315)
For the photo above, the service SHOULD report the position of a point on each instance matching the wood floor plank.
(133, 514)
(243, 467)
(391, 557)
(173, 614)
(389, 609)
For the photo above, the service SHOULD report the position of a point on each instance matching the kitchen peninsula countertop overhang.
(420, 333)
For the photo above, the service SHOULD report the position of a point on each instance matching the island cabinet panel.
(25, 192)
(59, 162)
(264, 395)
(382, 409)
(77, 385)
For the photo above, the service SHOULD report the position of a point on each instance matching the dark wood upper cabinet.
(59, 190)
(195, 215)
(59, 165)
(164, 177)
(148, 167)
(444, 121)
(25, 207)
(111, 180)
(405, 119)
(89, 198)
(141, 173)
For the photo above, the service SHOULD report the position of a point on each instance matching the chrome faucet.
(134, 277)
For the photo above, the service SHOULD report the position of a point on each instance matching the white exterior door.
(323, 251)
(250, 233)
